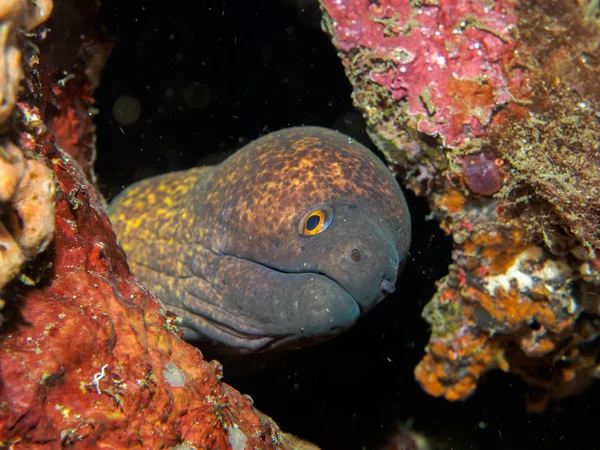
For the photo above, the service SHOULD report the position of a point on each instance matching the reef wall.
(88, 358)
(491, 109)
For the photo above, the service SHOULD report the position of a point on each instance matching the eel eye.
(316, 220)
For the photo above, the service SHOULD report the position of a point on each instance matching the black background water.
(209, 77)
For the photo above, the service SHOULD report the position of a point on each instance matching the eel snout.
(358, 254)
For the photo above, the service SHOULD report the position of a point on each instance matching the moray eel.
(284, 244)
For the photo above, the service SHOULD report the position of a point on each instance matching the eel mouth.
(239, 342)
(310, 319)
(232, 340)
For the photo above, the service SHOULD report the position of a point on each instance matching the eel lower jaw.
(243, 343)
(228, 339)
(269, 308)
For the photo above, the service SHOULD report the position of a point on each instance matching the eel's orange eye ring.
(316, 220)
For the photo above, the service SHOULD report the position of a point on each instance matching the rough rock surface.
(26, 184)
(88, 357)
(491, 110)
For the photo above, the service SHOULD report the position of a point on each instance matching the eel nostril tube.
(387, 286)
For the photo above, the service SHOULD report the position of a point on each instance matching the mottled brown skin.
(220, 245)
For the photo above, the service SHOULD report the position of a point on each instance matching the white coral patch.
(526, 272)
(174, 375)
(515, 273)
(237, 438)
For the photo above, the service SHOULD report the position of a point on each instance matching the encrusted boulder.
(491, 110)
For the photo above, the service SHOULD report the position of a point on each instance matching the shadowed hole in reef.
(186, 86)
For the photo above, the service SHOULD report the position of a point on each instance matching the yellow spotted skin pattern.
(223, 247)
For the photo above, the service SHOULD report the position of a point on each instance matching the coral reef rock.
(89, 358)
(491, 109)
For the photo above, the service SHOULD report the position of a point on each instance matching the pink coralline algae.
(445, 58)
(490, 109)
